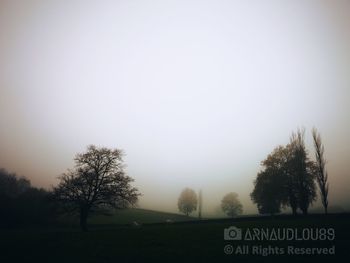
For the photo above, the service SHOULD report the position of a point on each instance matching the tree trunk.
(304, 210)
(83, 218)
(293, 203)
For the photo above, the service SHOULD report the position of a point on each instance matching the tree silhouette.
(290, 188)
(97, 181)
(268, 193)
(231, 205)
(321, 173)
(303, 170)
(23, 204)
(11, 185)
(287, 178)
(278, 179)
(187, 202)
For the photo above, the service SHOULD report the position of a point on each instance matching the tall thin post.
(200, 204)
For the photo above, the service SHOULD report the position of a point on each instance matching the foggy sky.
(196, 93)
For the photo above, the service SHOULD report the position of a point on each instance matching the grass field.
(185, 241)
(128, 216)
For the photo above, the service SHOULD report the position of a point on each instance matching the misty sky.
(196, 93)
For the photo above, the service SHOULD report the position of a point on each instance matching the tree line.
(98, 183)
(289, 177)
(22, 204)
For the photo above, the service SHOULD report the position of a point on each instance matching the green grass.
(190, 241)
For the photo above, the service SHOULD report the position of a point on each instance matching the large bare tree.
(321, 175)
(97, 182)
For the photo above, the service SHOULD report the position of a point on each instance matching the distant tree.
(187, 202)
(303, 171)
(21, 203)
(97, 182)
(11, 185)
(231, 205)
(321, 172)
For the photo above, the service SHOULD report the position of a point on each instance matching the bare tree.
(321, 174)
(187, 202)
(97, 182)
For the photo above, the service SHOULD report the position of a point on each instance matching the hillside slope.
(141, 216)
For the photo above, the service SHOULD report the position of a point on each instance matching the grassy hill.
(128, 216)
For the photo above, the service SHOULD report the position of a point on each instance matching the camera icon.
(232, 233)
